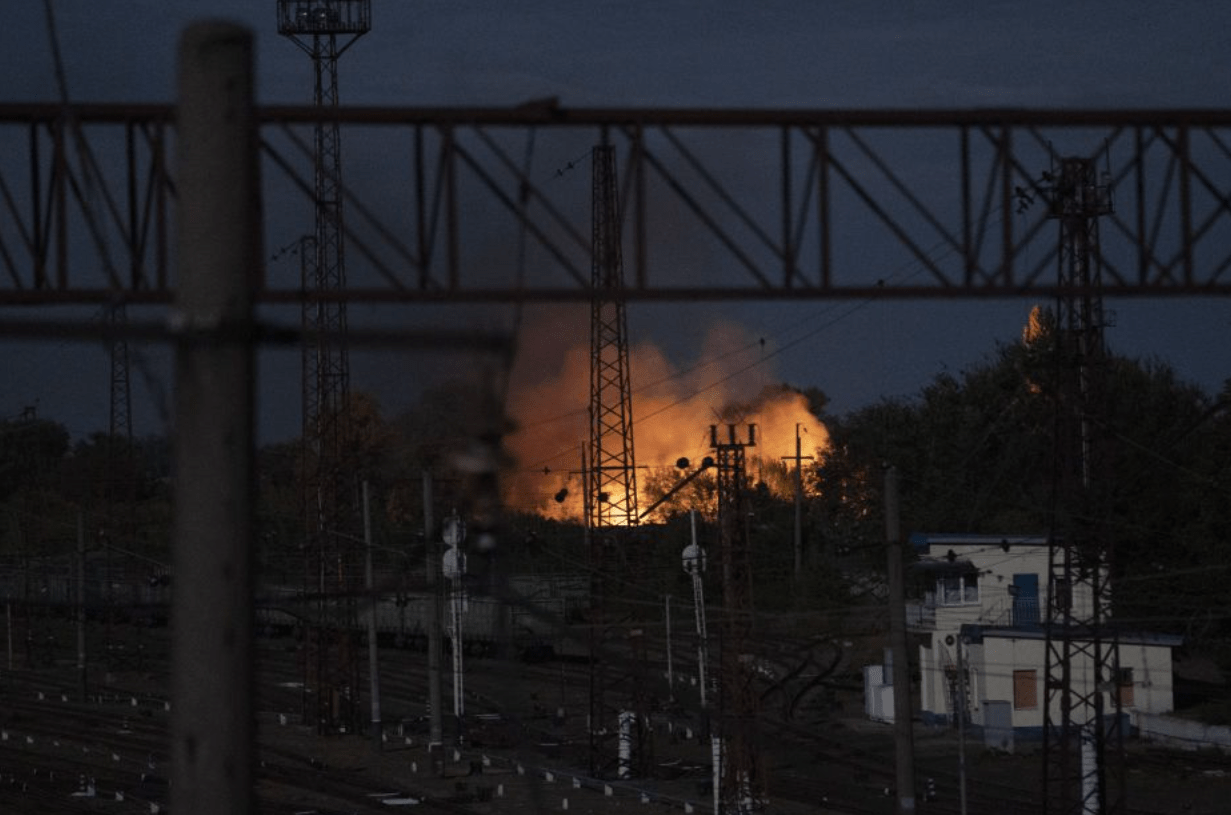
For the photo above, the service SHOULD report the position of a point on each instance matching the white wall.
(996, 568)
(877, 694)
(1001, 655)
(1183, 733)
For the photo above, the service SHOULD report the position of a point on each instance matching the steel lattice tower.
(614, 482)
(1083, 733)
(619, 726)
(121, 517)
(121, 421)
(324, 29)
(742, 781)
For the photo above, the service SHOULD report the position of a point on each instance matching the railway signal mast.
(453, 565)
(324, 29)
(693, 559)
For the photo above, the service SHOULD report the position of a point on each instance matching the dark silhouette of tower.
(619, 726)
(1083, 736)
(742, 780)
(324, 29)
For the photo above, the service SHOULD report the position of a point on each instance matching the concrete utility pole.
(670, 667)
(436, 731)
(962, 713)
(219, 254)
(373, 650)
(903, 734)
(81, 652)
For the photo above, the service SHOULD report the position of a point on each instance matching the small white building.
(987, 595)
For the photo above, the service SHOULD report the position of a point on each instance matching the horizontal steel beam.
(547, 112)
(474, 205)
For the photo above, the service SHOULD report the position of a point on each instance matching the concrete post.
(373, 637)
(904, 741)
(434, 646)
(219, 255)
(80, 604)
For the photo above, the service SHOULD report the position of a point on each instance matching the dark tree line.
(976, 452)
(49, 483)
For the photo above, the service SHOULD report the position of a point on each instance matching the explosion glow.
(672, 413)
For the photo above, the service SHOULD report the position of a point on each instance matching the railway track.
(54, 745)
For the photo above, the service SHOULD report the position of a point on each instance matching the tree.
(976, 454)
(30, 454)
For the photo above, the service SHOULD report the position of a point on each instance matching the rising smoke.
(673, 407)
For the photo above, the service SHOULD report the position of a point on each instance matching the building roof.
(978, 633)
(923, 542)
(943, 566)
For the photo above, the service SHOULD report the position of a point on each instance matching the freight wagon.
(117, 588)
(534, 623)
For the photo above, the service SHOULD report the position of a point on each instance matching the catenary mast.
(325, 29)
(619, 726)
(742, 776)
(1083, 731)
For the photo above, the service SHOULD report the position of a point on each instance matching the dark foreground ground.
(54, 746)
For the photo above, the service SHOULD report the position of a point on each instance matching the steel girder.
(718, 204)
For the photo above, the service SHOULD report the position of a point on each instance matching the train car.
(533, 621)
(539, 617)
(123, 589)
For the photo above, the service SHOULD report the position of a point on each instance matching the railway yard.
(524, 748)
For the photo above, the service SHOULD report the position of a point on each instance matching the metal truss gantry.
(739, 204)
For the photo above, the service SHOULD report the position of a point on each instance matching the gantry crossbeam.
(492, 204)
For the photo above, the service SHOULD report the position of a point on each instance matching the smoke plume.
(673, 408)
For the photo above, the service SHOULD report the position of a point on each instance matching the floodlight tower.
(617, 703)
(324, 29)
(1083, 733)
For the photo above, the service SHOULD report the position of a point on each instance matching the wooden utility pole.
(799, 459)
(903, 734)
(219, 256)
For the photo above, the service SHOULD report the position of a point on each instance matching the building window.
(1124, 686)
(1025, 689)
(958, 589)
